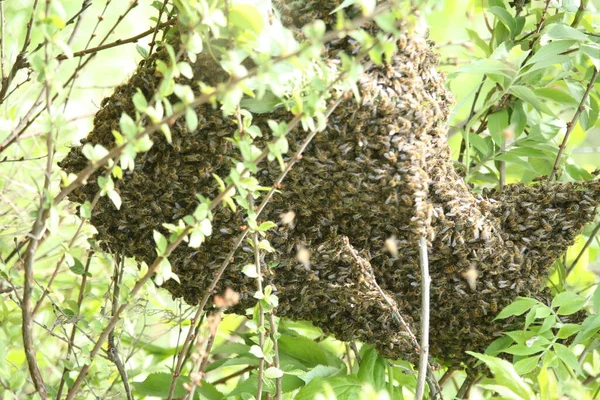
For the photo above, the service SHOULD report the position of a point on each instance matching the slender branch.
(579, 14)
(571, 125)
(21, 58)
(233, 375)
(118, 42)
(73, 329)
(113, 351)
(261, 318)
(37, 231)
(157, 27)
(583, 249)
(197, 373)
(278, 381)
(424, 350)
(431, 381)
(463, 392)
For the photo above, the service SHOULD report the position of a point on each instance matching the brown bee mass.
(381, 169)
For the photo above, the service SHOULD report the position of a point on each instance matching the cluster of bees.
(381, 170)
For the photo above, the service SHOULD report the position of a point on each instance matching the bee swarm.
(381, 169)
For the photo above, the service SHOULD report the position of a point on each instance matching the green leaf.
(567, 357)
(482, 44)
(568, 303)
(115, 198)
(549, 54)
(321, 371)
(158, 384)
(526, 365)
(528, 96)
(306, 350)
(556, 95)
(161, 242)
(504, 17)
(565, 32)
(505, 375)
(372, 369)
(139, 101)
(486, 67)
(231, 348)
(127, 126)
(518, 307)
(246, 17)
(209, 392)
(343, 387)
(77, 268)
(250, 271)
(191, 119)
(266, 226)
(141, 51)
(497, 123)
(568, 330)
(590, 327)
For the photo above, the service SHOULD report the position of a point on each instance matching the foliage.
(77, 321)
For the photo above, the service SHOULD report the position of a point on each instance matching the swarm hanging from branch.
(381, 170)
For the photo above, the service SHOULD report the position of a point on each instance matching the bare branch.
(571, 125)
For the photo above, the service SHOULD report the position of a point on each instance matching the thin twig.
(118, 42)
(113, 351)
(233, 375)
(571, 125)
(261, 317)
(471, 114)
(424, 349)
(583, 249)
(37, 231)
(157, 27)
(73, 329)
(278, 381)
(21, 57)
(431, 381)
(463, 392)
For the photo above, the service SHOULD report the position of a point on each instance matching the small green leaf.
(191, 119)
(568, 303)
(141, 51)
(505, 375)
(372, 369)
(518, 307)
(528, 96)
(343, 388)
(567, 357)
(161, 242)
(568, 330)
(77, 268)
(526, 365)
(250, 271)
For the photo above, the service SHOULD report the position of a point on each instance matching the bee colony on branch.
(380, 174)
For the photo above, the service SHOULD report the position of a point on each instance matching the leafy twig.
(157, 27)
(571, 125)
(73, 329)
(21, 58)
(113, 351)
(278, 381)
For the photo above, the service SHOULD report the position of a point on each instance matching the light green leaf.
(518, 307)
(505, 375)
(528, 96)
